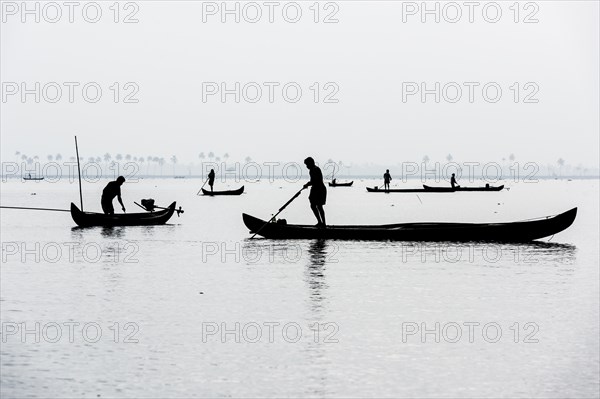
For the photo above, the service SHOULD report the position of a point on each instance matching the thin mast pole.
(79, 172)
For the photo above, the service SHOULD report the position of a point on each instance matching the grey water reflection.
(116, 244)
(485, 254)
(314, 275)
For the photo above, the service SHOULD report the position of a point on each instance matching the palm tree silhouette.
(561, 163)
(248, 159)
(148, 160)
(156, 160)
(161, 162)
(174, 162)
(58, 157)
(449, 157)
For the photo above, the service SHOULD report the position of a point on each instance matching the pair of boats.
(520, 231)
(429, 189)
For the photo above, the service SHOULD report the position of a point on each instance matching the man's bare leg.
(321, 213)
(316, 212)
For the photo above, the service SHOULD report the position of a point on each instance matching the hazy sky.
(368, 57)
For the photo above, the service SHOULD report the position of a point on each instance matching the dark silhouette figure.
(387, 178)
(211, 179)
(318, 192)
(334, 181)
(453, 182)
(112, 190)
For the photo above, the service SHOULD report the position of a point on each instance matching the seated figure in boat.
(453, 182)
(334, 180)
(211, 179)
(112, 190)
(318, 192)
(387, 178)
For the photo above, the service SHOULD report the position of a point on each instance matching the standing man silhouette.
(318, 192)
(387, 178)
(211, 179)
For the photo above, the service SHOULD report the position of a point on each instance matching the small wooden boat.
(395, 190)
(89, 219)
(336, 184)
(239, 191)
(454, 189)
(520, 231)
(29, 178)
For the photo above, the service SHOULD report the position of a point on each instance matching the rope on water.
(34, 209)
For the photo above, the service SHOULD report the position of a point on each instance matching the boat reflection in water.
(116, 244)
(495, 255)
(315, 273)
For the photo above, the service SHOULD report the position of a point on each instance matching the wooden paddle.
(198, 193)
(280, 209)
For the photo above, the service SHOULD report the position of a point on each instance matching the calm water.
(320, 319)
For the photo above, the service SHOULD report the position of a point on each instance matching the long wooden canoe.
(429, 189)
(396, 190)
(89, 219)
(332, 184)
(454, 189)
(520, 231)
(239, 191)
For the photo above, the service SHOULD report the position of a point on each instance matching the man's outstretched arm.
(121, 202)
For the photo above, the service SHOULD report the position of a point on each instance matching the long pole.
(79, 172)
(198, 193)
(280, 209)
(35, 209)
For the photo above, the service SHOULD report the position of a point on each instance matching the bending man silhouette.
(112, 190)
(211, 179)
(387, 178)
(453, 182)
(318, 192)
